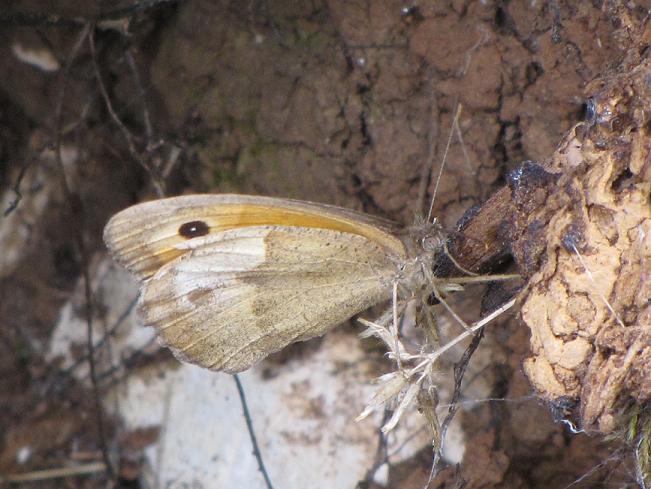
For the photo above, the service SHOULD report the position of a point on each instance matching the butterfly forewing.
(145, 237)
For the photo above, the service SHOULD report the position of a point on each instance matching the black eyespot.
(194, 229)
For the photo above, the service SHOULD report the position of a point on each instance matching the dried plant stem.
(39, 475)
(469, 332)
(76, 209)
(480, 279)
(249, 424)
(156, 180)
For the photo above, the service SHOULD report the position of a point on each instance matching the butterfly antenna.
(445, 156)
(455, 262)
(464, 149)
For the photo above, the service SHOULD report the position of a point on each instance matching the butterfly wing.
(229, 279)
(147, 236)
(252, 291)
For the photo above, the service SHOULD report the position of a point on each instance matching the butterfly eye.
(193, 229)
(430, 243)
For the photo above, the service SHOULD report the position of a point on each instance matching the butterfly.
(229, 279)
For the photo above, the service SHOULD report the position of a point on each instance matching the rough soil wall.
(345, 102)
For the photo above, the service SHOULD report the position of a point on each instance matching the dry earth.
(345, 102)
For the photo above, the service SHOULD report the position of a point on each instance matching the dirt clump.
(586, 251)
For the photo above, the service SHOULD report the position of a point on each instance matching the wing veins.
(273, 330)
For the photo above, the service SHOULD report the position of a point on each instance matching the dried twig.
(249, 425)
(405, 384)
(110, 332)
(39, 475)
(142, 95)
(128, 137)
(76, 209)
(16, 189)
(459, 371)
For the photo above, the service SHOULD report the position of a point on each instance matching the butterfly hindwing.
(251, 291)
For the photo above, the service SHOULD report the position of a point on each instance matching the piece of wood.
(479, 245)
